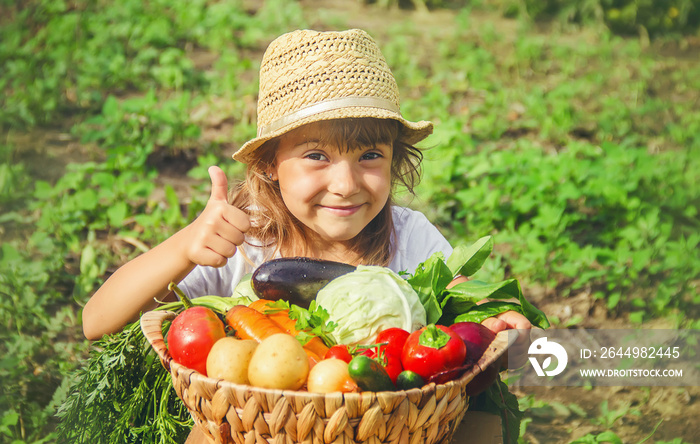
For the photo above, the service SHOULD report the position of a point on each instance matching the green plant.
(68, 57)
(608, 417)
(603, 437)
(608, 436)
(655, 17)
(144, 120)
(122, 395)
(498, 398)
(564, 215)
(36, 346)
(13, 180)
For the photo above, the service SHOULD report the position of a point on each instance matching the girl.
(332, 146)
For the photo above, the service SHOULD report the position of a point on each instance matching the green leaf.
(463, 298)
(478, 290)
(173, 216)
(467, 260)
(498, 400)
(87, 259)
(314, 322)
(609, 436)
(604, 437)
(43, 190)
(532, 313)
(110, 108)
(10, 418)
(487, 310)
(117, 213)
(429, 281)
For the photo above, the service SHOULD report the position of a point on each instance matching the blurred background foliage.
(57, 60)
(651, 17)
(569, 130)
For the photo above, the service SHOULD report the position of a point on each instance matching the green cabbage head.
(369, 300)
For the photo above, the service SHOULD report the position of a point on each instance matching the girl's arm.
(134, 288)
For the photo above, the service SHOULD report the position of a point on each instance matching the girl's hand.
(508, 320)
(511, 320)
(214, 236)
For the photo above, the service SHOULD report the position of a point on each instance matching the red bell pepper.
(433, 349)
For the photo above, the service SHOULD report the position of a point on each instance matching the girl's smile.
(332, 191)
(343, 211)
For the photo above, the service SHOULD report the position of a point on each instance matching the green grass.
(576, 149)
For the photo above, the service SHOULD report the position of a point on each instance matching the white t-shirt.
(416, 240)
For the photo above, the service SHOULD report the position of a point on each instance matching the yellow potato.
(279, 362)
(229, 358)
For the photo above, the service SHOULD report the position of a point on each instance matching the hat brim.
(412, 132)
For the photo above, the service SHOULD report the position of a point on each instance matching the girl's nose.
(343, 180)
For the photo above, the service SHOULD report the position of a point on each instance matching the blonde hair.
(273, 224)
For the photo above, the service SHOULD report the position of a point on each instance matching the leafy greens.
(472, 300)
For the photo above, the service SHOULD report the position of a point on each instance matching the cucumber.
(369, 375)
(295, 279)
(409, 380)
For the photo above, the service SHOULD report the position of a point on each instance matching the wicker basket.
(234, 413)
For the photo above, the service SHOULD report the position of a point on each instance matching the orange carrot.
(313, 358)
(251, 324)
(260, 305)
(282, 318)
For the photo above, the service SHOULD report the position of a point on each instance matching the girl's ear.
(272, 175)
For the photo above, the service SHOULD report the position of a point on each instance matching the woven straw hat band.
(306, 76)
(328, 105)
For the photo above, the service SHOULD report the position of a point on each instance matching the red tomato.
(370, 353)
(433, 349)
(395, 338)
(369, 350)
(339, 352)
(192, 334)
(392, 365)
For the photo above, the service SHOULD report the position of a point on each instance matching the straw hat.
(308, 76)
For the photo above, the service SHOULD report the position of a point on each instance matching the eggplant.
(296, 279)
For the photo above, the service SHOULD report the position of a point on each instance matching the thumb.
(219, 184)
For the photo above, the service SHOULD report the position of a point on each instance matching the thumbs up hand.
(215, 235)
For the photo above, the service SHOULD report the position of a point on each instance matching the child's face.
(335, 194)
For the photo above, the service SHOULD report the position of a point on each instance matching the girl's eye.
(372, 155)
(315, 156)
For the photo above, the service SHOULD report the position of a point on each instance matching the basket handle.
(498, 347)
(495, 350)
(152, 327)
